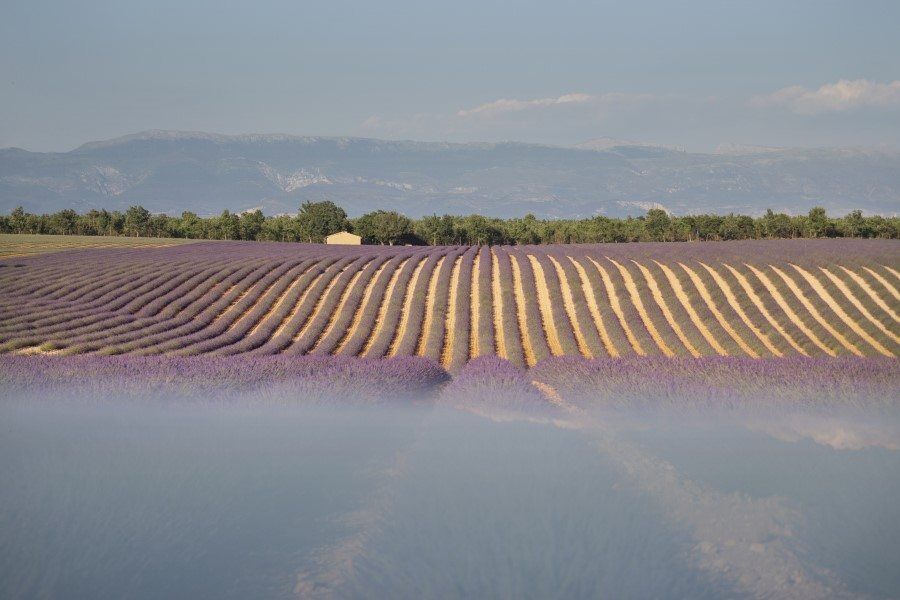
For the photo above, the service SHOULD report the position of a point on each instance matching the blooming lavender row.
(283, 380)
(712, 383)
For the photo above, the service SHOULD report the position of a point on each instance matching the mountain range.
(172, 171)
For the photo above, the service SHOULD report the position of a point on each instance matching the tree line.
(316, 220)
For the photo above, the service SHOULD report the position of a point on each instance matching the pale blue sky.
(691, 74)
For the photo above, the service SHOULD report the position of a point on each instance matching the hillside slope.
(206, 173)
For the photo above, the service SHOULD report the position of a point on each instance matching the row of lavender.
(452, 304)
(487, 384)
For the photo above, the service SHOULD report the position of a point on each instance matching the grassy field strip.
(407, 307)
(17, 245)
(798, 293)
(689, 309)
(848, 293)
(450, 317)
(819, 289)
(365, 303)
(617, 309)
(474, 298)
(546, 311)
(499, 338)
(518, 289)
(594, 309)
(342, 303)
(720, 318)
(664, 307)
(793, 316)
(430, 299)
(569, 305)
(641, 309)
(758, 303)
(887, 284)
(738, 309)
(871, 293)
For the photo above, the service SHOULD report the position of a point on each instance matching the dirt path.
(569, 305)
(737, 308)
(635, 296)
(819, 289)
(720, 318)
(871, 293)
(527, 347)
(594, 308)
(544, 304)
(792, 285)
(407, 304)
(758, 303)
(450, 318)
(664, 307)
(499, 336)
(429, 305)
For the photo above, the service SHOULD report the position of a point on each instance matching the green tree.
(435, 230)
(137, 221)
(383, 227)
(658, 225)
(317, 220)
(251, 224)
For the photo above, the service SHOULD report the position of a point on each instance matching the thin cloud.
(832, 97)
(509, 105)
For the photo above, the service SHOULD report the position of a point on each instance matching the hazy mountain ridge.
(172, 171)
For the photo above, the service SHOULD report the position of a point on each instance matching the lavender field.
(753, 299)
(237, 419)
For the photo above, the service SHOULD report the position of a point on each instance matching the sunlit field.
(754, 299)
(15, 245)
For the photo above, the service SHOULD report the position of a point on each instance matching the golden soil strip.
(363, 305)
(635, 296)
(893, 271)
(848, 293)
(543, 297)
(617, 308)
(689, 308)
(383, 307)
(499, 337)
(871, 293)
(664, 307)
(757, 301)
(569, 304)
(235, 302)
(792, 285)
(430, 299)
(342, 303)
(793, 316)
(594, 308)
(736, 306)
(819, 289)
(473, 307)
(249, 309)
(279, 301)
(407, 304)
(530, 360)
(704, 293)
(296, 309)
(887, 284)
(318, 306)
(450, 317)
